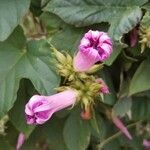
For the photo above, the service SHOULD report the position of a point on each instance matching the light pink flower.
(39, 109)
(103, 87)
(133, 37)
(94, 46)
(21, 139)
(146, 143)
(121, 127)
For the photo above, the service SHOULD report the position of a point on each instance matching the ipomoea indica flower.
(39, 109)
(94, 46)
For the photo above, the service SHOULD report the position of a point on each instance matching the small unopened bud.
(71, 77)
(60, 57)
(85, 102)
(133, 37)
(103, 87)
(59, 66)
(146, 143)
(119, 124)
(21, 139)
(94, 68)
(145, 31)
(83, 76)
(2, 124)
(94, 87)
(69, 59)
(64, 72)
(86, 114)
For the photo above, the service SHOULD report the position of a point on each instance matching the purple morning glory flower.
(39, 109)
(94, 46)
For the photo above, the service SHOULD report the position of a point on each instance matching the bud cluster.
(145, 31)
(2, 125)
(85, 83)
(79, 85)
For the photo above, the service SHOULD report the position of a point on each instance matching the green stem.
(102, 144)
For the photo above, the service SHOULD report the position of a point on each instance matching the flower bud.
(103, 87)
(146, 143)
(94, 68)
(21, 139)
(59, 56)
(86, 115)
(133, 37)
(145, 31)
(121, 127)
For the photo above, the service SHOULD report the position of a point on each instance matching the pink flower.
(39, 109)
(103, 87)
(21, 139)
(133, 37)
(121, 126)
(146, 143)
(94, 46)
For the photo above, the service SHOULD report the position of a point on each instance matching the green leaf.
(51, 21)
(141, 108)
(111, 97)
(18, 61)
(36, 141)
(63, 32)
(145, 22)
(98, 127)
(116, 51)
(11, 12)
(140, 81)
(20, 122)
(122, 15)
(11, 134)
(4, 143)
(76, 132)
(122, 106)
(70, 37)
(54, 132)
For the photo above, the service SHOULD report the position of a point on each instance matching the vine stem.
(109, 139)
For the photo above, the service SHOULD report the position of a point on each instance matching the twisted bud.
(119, 124)
(133, 37)
(21, 140)
(146, 143)
(103, 87)
(40, 108)
(94, 46)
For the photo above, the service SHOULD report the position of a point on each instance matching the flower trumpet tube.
(119, 124)
(94, 46)
(21, 139)
(39, 109)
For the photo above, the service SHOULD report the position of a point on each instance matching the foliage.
(28, 28)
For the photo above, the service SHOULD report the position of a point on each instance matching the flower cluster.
(80, 85)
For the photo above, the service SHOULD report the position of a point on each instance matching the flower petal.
(83, 61)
